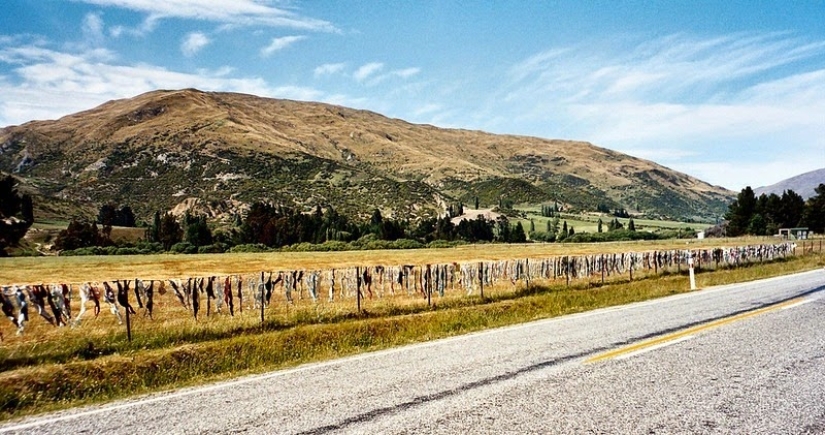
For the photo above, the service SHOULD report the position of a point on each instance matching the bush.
(334, 245)
(437, 244)
(92, 250)
(406, 244)
(215, 248)
(256, 247)
(184, 248)
(376, 244)
(299, 247)
(149, 247)
(108, 250)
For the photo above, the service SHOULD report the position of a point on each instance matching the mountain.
(218, 152)
(803, 184)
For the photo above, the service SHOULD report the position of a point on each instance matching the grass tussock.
(53, 368)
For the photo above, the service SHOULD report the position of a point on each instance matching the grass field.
(589, 222)
(51, 368)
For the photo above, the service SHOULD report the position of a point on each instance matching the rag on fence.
(374, 281)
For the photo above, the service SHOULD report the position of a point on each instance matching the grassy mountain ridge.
(163, 149)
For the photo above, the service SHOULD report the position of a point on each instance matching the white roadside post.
(692, 276)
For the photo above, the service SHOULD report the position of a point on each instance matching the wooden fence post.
(358, 289)
(262, 299)
(567, 269)
(631, 268)
(481, 278)
(429, 286)
(527, 273)
(603, 268)
(128, 325)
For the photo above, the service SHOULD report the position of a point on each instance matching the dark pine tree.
(16, 215)
(740, 212)
(814, 214)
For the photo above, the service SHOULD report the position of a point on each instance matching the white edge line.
(158, 397)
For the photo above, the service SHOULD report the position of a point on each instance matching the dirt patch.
(488, 213)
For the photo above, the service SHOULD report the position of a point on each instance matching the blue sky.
(732, 92)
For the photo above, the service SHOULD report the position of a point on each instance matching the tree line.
(766, 214)
(276, 226)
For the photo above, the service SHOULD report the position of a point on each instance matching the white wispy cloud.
(193, 43)
(370, 74)
(722, 96)
(407, 72)
(238, 12)
(329, 69)
(363, 72)
(144, 28)
(281, 43)
(93, 29)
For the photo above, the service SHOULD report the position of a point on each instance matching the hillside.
(217, 152)
(802, 184)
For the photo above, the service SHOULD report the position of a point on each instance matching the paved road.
(736, 359)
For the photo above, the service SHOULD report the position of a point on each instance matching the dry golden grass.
(165, 266)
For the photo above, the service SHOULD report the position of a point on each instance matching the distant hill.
(803, 184)
(218, 152)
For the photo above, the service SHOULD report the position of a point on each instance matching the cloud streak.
(279, 44)
(367, 70)
(675, 93)
(329, 69)
(235, 12)
(193, 43)
(93, 29)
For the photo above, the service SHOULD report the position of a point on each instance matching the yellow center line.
(683, 333)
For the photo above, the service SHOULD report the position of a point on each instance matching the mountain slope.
(802, 184)
(165, 149)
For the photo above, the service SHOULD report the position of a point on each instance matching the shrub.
(406, 244)
(445, 244)
(184, 248)
(334, 245)
(215, 248)
(256, 247)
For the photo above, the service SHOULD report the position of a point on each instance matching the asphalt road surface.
(746, 358)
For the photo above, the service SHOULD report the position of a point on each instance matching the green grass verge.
(60, 380)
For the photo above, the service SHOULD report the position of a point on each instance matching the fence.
(358, 285)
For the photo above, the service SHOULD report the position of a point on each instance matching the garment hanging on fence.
(312, 283)
(52, 302)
